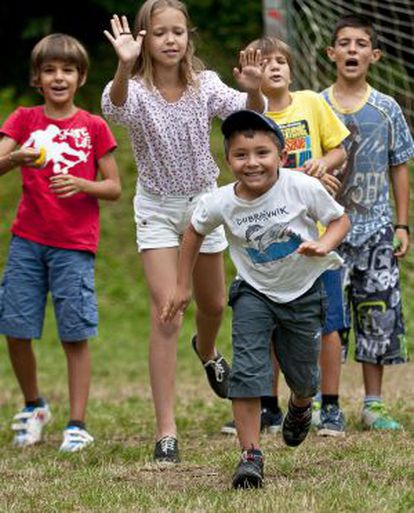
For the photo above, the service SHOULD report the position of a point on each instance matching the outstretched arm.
(128, 50)
(249, 78)
(333, 236)
(401, 191)
(188, 255)
(109, 188)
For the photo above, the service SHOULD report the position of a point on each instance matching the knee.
(213, 308)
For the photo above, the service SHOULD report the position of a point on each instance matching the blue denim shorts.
(337, 318)
(32, 270)
(297, 326)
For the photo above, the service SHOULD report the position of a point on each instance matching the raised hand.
(126, 46)
(249, 75)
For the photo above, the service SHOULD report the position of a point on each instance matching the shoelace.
(167, 444)
(250, 456)
(218, 368)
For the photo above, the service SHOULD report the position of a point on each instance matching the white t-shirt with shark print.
(264, 233)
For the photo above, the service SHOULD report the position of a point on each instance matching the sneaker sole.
(248, 481)
(331, 432)
(165, 463)
(272, 430)
(228, 431)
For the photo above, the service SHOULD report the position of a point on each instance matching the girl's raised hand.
(249, 75)
(126, 46)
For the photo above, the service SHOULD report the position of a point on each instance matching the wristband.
(402, 227)
(11, 158)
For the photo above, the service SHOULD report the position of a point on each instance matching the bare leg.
(23, 361)
(209, 294)
(79, 377)
(330, 362)
(372, 374)
(160, 267)
(246, 414)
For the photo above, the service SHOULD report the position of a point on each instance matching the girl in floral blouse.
(166, 100)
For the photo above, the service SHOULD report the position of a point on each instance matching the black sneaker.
(217, 370)
(249, 471)
(296, 424)
(166, 450)
(270, 422)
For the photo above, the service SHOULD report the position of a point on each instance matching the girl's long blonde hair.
(190, 65)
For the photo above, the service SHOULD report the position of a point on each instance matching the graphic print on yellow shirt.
(297, 143)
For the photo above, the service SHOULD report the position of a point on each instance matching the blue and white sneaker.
(375, 416)
(28, 425)
(75, 439)
(332, 421)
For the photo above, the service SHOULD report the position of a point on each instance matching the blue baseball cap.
(250, 120)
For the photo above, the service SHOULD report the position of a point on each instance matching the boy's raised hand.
(126, 46)
(249, 75)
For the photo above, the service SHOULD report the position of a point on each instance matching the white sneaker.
(28, 425)
(75, 439)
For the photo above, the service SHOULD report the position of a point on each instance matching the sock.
(317, 398)
(299, 409)
(330, 399)
(369, 399)
(76, 423)
(35, 404)
(270, 403)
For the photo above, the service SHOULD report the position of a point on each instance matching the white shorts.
(162, 220)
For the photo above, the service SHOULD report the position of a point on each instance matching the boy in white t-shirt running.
(269, 215)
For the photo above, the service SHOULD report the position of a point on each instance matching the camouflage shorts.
(373, 296)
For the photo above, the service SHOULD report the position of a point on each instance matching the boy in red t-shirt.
(60, 150)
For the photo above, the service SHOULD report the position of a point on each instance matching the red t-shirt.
(73, 145)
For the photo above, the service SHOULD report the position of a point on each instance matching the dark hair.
(58, 47)
(356, 21)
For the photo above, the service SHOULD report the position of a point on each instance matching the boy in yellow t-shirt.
(313, 137)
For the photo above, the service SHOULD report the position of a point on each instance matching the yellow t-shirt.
(310, 127)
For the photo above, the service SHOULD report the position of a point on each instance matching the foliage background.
(223, 29)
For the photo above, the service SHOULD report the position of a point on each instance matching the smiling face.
(353, 53)
(59, 80)
(254, 158)
(276, 76)
(168, 37)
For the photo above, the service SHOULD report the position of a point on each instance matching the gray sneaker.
(332, 421)
(249, 471)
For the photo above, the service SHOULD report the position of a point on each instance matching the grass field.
(365, 472)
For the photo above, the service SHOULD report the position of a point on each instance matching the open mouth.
(351, 63)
